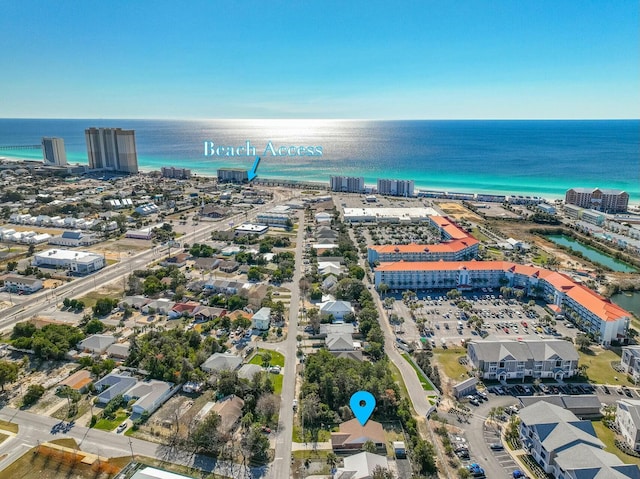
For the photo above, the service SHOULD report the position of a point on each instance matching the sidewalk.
(311, 446)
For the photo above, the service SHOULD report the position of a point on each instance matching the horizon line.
(318, 119)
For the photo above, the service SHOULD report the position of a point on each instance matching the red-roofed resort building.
(450, 265)
(599, 316)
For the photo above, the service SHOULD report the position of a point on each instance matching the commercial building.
(458, 246)
(395, 187)
(16, 283)
(607, 200)
(281, 220)
(567, 447)
(628, 421)
(388, 215)
(232, 175)
(347, 184)
(176, 173)
(53, 152)
(511, 359)
(79, 262)
(112, 149)
(591, 312)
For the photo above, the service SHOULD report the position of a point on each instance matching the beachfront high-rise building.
(177, 173)
(395, 187)
(53, 152)
(232, 175)
(347, 184)
(112, 149)
(606, 200)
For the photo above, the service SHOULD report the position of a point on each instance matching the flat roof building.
(232, 175)
(80, 262)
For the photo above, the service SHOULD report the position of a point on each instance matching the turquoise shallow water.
(527, 157)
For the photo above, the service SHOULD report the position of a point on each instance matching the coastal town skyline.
(414, 61)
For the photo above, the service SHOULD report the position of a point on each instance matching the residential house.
(183, 309)
(329, 283)
(567, 447)
(78, 381)
(213, 211)
(16, 283)
(248, 371)
(119, 350)
(230, 411)
(630, 361)
(206, 313)
(135, 302)
(323, 218)
(326, 267)
(178, 260)
(149, 395)
(511, 359)
(229, 266)
(628, 421)
(337, 309)
(339, 342)
(97, 343)
(221, 362)
(207, 264)
(361, 466)
(112, 385)
(338, 328)
(261, 319)
(353, 435)
(160, 306)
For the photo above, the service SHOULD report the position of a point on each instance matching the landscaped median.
(424, 380)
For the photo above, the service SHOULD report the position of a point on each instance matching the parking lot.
(444, 324)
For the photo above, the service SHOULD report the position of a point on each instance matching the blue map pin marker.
(362, 412)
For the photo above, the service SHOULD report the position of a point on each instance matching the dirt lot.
(48, 464)
(119, 249)
(458, 212)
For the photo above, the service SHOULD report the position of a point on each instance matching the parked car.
(496, 446)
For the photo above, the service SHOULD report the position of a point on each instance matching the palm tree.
(332, 460)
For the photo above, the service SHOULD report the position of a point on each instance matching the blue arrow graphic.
(252, 173)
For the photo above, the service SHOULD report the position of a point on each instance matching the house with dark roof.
(213, 211)
(207, 313)
(178, 260)
(207, 264)
(513, 359)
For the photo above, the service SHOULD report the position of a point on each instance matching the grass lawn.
(9, 426)
(607, 436)
(599, 370)
(277, 359)
(92, 297)
(480, 236)
(397, 377)
(323, 435)
(277, 382)
(448, 362)
(426, 385)
(110, 424)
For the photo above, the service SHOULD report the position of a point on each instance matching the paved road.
(281, 465)
(81, 286)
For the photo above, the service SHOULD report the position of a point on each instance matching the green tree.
(257, 445)
(583, 342)
(34, 392)
(424, 457)
(104, 306)
(94, 326)
(369, 446)
(254, 274)
(8, 372)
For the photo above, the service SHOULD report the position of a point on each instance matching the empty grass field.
(447, 361)
(599, 370)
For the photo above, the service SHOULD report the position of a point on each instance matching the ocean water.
(524, 156)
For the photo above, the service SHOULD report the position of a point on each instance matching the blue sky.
(320, 59)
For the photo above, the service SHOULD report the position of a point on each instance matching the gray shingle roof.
(538, 350)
